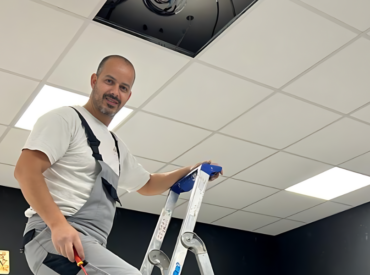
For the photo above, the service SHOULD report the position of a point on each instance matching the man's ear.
(94, 78)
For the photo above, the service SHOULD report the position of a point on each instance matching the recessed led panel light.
(331, 184)
(51, 98)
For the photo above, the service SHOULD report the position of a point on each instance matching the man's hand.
(161, 182)
(64, 238)
(29, 173)
(208, 162)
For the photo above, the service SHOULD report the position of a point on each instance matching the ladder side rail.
(195, 244)
(160, 231)
(189, 222)
(204, 264)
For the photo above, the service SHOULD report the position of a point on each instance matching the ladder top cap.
(211, 169)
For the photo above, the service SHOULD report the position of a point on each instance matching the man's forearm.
(37, 194)
(161, 182)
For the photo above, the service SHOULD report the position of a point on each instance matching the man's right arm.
(29, 173)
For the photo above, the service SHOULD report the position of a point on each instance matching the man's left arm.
(161, 182)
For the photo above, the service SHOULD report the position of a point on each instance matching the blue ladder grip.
(186, 183)
(211, 169)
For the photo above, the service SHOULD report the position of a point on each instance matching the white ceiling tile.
(237, 194)
(14, 92)
(2, 129)
(355, 198)
(80, 7)
(150, 165)
(37, 37)
(11, 146)
(360, 164)
(7, 176)
(148, 204)
(197, 97)
(279, 227)
(354, 12)
(207, 213)
(319, 212)
(283, 204)
(282, 170)
(280, 121)
(363, 113)
(274, 43)
(220, 179)
(341, 82)
(337, 143)
(158, 138)
(154, 65)
(245, 221)
(230, 153)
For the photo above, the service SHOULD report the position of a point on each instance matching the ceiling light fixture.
(331, 184)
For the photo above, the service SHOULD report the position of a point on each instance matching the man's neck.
(106, 120)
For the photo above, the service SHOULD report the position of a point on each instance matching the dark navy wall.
(337, 245)
(12, 222)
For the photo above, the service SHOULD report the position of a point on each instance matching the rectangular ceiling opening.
(185, 26)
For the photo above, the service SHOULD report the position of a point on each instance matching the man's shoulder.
(65, 112)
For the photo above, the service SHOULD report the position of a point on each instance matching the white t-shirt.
(73, 171)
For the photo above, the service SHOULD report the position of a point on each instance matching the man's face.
(112, 89)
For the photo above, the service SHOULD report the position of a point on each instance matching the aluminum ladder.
(187, 239)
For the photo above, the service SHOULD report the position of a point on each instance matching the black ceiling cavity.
(185, 26)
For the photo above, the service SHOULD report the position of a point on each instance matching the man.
(68, 172)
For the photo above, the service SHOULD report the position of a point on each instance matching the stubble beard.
(98, 104)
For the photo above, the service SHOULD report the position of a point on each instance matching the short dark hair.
(105, 59)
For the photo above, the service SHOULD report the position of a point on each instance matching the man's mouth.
(111, 101)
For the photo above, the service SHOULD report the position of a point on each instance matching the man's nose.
(115, 91)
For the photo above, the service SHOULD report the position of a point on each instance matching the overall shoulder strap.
(91, 138)
(117, 147)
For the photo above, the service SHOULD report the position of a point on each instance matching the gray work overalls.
(93, 222)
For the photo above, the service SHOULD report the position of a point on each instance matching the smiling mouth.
(111, 101)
